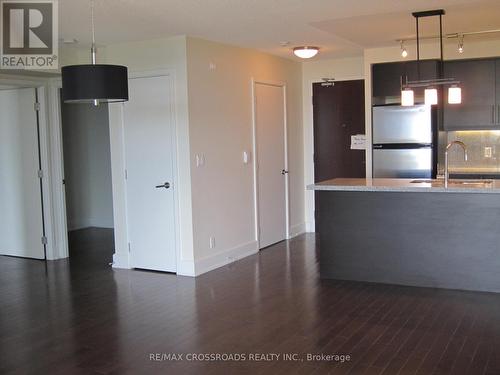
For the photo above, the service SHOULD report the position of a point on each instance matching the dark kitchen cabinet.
(480, 85)
(387, 77)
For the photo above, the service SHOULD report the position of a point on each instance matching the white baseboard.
(185, 268)
(120, 261)
(83, 224)
(225, 257)
(196, 268)
(78, 225)
(310, 227)
(297, 230)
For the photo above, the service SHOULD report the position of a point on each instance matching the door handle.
(166, 185)
(284, 172)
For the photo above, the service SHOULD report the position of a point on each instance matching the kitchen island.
(410, 232)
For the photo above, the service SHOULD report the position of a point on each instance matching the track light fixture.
(461, 44)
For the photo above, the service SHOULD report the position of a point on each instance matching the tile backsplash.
(483, 148)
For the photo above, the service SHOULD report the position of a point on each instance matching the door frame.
(42, 87)
(308, 117)
(283, 86)
(60, 243)
(173, 144)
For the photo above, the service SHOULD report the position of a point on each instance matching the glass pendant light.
(407, 98)
(431, 96)
(94, 83)
(454, 95)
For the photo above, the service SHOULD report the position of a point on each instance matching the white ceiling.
(339, 27)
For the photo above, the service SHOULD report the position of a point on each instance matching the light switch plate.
(246, 157)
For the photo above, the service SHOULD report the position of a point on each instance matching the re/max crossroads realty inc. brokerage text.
(252, 357)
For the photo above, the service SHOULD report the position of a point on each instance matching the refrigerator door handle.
(401, 146)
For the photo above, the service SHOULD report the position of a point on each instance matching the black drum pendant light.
(94, 83)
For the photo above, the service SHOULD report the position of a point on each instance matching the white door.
(271, 163)
(148, 124)
(21, 221)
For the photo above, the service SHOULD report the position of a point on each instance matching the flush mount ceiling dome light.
(94, 83)
(305, 52)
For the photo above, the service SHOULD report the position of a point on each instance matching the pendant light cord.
(418, 48)
(441, 35)
(93, 48)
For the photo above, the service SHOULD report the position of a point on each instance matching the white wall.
(87, 166)
(154, 57)
(220, 126)
(313, 71)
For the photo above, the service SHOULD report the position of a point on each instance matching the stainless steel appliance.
(404, 144)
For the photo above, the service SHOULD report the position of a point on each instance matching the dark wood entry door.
(339, 113)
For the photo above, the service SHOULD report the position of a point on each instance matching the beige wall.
(166, 55)
(214, 119)
(220, 118)
(159, 55)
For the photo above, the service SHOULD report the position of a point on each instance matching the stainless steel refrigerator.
(404, 142)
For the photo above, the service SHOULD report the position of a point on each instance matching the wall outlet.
(212, 242)
(488, 152)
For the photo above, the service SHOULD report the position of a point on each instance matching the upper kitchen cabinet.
(387, 78)
(479, 84)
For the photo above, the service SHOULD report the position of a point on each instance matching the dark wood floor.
(82, 317)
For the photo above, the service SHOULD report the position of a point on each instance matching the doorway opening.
(22, 225)
(271, 165)
(87, 182)
(338, 114)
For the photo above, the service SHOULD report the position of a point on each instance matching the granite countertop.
(405, 185)
(483, 170)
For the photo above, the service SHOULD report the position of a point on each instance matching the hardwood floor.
(82, 317)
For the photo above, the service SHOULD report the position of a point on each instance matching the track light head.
(461, 44)
(404, 52)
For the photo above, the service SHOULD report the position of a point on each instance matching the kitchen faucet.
(446, 171)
